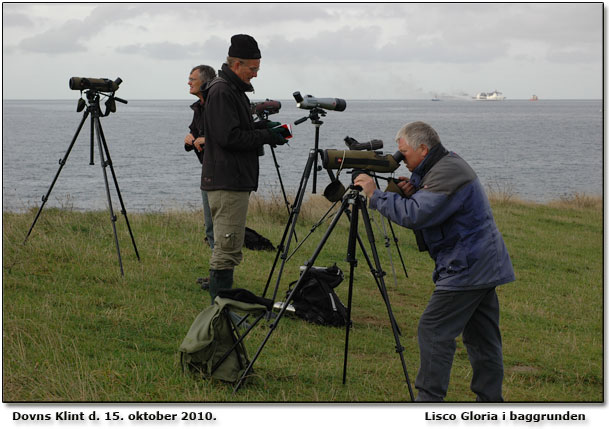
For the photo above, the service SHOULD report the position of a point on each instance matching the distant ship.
(436, 98)
(494, 96)
(533, 98)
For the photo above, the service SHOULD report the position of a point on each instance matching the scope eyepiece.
(373, 144)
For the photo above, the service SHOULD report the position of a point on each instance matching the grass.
(76, 330)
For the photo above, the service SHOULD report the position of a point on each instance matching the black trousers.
(475, 314)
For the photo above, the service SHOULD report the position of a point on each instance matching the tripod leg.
(398, 346)
(62, 162)
(395, 240)
(104, 164)
(118, 191)
(291, 225)
(368, 261)
(388, 248)
(309, 264)
(92, 139)
(285, 197)
(353, 236)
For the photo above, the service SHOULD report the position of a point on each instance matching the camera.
(310, 102)
(101, 84)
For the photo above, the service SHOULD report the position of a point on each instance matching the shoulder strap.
(220, 79)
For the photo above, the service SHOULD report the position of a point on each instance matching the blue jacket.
(453, 213)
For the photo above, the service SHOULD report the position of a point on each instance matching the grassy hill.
(74, 329)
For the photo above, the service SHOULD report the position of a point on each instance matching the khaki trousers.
(229, 211)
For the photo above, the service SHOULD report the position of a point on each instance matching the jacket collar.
(227, 74)
(435, 154)
(197, 105)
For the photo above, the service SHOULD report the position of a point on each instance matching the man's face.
(413, 157)
(247, 69)
(194, 82)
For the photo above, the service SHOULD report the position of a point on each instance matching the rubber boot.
(219, 279)
(223, 279)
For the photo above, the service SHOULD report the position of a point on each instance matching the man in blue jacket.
(448, 210)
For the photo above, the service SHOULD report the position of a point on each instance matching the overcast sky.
(351, 51)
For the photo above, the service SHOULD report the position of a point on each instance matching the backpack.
(206, 349)
(255, 241)
(315, 300)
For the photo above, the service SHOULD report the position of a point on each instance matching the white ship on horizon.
(493, 96)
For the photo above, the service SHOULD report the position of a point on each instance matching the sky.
(328, 50)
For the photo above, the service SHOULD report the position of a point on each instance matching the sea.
(537, 151)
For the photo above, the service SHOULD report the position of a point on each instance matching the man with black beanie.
(230, 163)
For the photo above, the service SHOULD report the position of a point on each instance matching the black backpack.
(255, 241)
(315, 300)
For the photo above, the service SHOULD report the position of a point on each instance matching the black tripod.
(357, 202)
(93, 109)
(264, 116)
(290, 231)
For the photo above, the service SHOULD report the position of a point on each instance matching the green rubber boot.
(219, 279)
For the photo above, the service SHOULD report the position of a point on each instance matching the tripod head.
(314, 115)
(93, 88)
(93, 100)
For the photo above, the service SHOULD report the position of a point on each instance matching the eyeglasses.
(252, 68)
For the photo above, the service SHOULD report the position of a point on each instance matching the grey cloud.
(73, 34)
(61, 40)
(236, 14)
(570, 55)
(456, 33)
(362, 45)
(212, 50)
(16, 20)
(162, 50)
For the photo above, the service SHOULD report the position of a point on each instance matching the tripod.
(357, 202)
(289, 230)
(264, 116)
(93, 109)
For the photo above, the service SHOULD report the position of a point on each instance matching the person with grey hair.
(195, 139)
(446, 206)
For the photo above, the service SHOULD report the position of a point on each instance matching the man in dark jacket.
(447, 207)
(198, 77)
(230, 163)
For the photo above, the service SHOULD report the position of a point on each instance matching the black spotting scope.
(101, 84)
(310, 102)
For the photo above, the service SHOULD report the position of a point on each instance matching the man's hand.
(407, 188)
(366, 183)
(278, 136)
(189, 139)
(199, 143)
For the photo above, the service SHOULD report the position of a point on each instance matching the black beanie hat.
(244, 47)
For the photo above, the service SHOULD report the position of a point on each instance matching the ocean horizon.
(536, 151)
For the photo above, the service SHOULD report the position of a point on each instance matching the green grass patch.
(76, 330)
